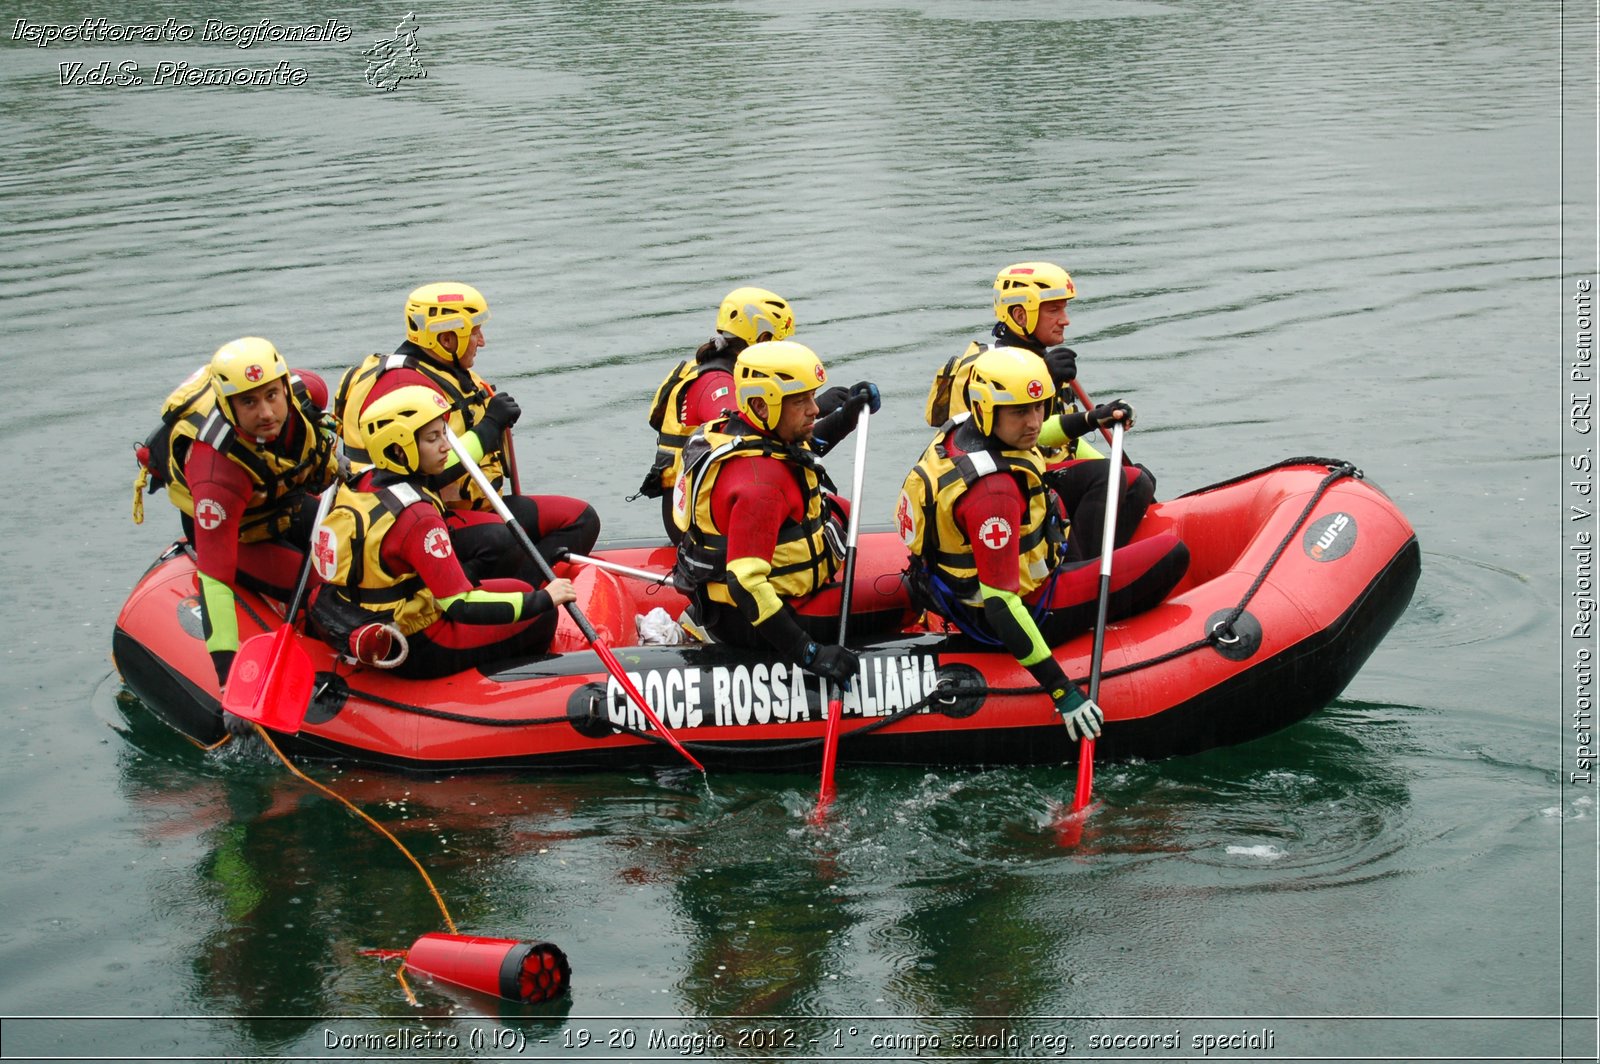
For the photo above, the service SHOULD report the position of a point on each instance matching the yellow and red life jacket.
(278, 478)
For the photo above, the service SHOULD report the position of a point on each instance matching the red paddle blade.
(270, 682)
(1069, 826)
(830, 753)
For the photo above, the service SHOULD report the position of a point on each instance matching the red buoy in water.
(530, 972)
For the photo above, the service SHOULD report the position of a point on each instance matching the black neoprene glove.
(503, 410)
(831, 399)
(501, 414)
(1101, 416)
(838, 424)
(830, 661)
(1062, 363)
(864, 394)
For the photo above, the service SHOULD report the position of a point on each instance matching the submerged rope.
(342, 800)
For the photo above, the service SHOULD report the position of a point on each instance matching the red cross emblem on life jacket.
(1035, 390)
(325, 554)
(995, 532)
(253, 373)
(903, 520)
(209, 514)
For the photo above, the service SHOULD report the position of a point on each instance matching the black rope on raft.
(1287, 463)
(459, 718)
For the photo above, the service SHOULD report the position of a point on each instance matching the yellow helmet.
(241, 365)
(447, 307)
(749, 312)
(390, 424)
(1026, 285)
(771, 371)
(1005, 376)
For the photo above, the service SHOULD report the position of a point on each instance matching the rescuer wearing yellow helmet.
(701, 390)
(983, 529)
(1030, 309)
(444, 333)
(243, 450)
(394, 592)
(761, 527)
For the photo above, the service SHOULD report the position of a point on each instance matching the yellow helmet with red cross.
(390, 424)
(1026, 285)
(772, 371)
(242, 365)
(448, 307)
(1006, 376)
(749, 312)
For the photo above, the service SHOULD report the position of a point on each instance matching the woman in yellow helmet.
(984, 530)
(243, 451)
(394, 591)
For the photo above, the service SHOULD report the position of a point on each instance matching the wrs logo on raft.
(1330, 537)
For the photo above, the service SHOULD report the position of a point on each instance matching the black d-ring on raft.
(1238, 641)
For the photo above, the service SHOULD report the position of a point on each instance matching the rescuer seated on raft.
(444, 333)
(700, 390)
(985, 536)
(243, 450)
(1030, 306)
(395, 594)
(763, 531)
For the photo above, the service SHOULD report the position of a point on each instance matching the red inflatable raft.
(1296, 573)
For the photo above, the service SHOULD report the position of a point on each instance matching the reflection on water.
(927, 894)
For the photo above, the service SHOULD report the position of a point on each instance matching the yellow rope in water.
(448, 922)
(400, 974)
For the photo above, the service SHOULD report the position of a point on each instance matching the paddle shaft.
(511, 461)
(830, 744)
(324, 504)
(1108, 540)
(1088, 404)
(614, 567)
(607, 658)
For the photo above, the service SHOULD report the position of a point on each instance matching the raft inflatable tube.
(1296, 573)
